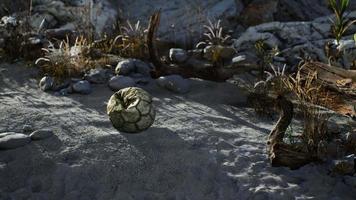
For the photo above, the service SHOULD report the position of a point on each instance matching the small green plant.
(341, 24)
(132, 40)
(265, 54)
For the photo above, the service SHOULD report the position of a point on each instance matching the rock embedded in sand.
(11, 140)
(82, 87)
(117, 83)
(174, 83)
(41, 134)
(46, 83)
(131, 110)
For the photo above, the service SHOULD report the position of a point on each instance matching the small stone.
(27, 128)
(82, 87)
(117, 83)
(46, 83)
(41, 134)
(174, 83)
(11, 140)
(238, 59)
(178, 55)
(125, 67)
(98, 76)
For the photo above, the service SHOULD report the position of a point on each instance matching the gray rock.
(13, 140)
(117, 83)
(174, 83)
(44, 19)
(125, 67)
(27, 128)
(98, 76)
(142, 67)
(178, 55)
(41, 134)
(82, 87)
(132, 66)
(46, 83)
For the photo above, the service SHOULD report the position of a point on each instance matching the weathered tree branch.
(280, 153)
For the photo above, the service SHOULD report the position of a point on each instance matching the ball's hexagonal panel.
(131, 110)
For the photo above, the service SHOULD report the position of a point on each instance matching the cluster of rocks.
(298, 39)
(128, 73)
(13, 140)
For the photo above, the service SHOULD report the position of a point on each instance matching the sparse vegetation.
(66, 60)
(132, 40)
(265, 55)
(215, 42)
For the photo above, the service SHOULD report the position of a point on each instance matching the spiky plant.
(274, 81)
(340, 24)
(214, 35)
(132, 40)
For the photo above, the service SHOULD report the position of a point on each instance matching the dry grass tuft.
(310, 96)
(66, 60)
(132, 41)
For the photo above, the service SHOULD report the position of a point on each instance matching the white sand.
(203, 146)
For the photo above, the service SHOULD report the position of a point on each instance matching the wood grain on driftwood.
(280, 153)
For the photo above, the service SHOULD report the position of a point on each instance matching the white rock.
(46, 83)
(11, 140)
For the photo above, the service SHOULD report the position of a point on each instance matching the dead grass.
(66, 60)
(310, 96)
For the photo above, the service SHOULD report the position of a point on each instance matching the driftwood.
(293, 156)
(331, 76)
(339, 82)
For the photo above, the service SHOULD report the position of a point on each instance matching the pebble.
(82, 87)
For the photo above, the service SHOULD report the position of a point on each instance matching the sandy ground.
(205, 145)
